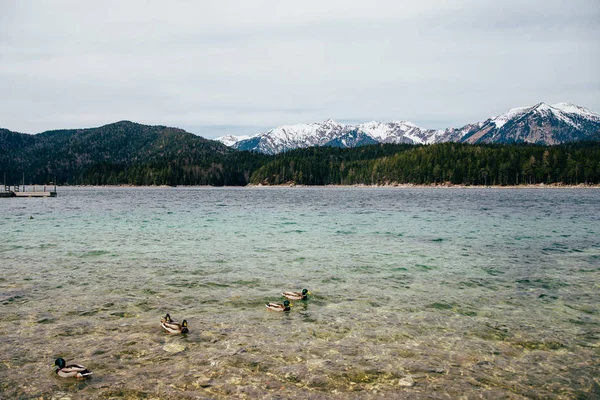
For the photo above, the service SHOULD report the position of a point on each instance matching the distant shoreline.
(414, 186)
(387, 186)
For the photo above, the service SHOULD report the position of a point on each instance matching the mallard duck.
(72, 370)
(279, 307)
(296, 295)
(174, 327)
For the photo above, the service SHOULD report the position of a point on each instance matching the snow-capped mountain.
(542, 123)
(288, 137)
(331, 133)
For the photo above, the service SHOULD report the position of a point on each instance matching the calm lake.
(416, 293)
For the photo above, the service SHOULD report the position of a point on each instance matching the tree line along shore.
(440, 165)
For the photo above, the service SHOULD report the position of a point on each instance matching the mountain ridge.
(134, 154)
(539, 124)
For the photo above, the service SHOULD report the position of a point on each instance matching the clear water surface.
(417, 293)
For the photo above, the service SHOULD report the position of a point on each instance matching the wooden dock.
(34, 194)
(28, 191)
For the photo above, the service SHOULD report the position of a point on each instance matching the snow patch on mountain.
(574, 109)
(376, 130)
(501, 120)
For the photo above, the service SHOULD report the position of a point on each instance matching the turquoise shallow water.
(417, 293)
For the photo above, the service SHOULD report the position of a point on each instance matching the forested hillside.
(453, 163)
(123, 153)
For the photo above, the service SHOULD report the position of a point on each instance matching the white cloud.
(254, 65)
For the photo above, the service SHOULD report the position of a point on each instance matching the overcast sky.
(242, 67)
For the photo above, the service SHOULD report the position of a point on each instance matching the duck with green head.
(296, 295)
(279, 307)
(174, 327)
(72, 370)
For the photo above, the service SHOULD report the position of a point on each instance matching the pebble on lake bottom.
(173, 348)
(407, 381)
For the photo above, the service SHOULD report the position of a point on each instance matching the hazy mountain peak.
(229, 140)
(330, 121)
(406, 123)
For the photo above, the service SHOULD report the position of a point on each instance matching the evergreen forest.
(445, 163)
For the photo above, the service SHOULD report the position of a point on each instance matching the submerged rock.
(317, 381)
(61, 396)
(123, 314)
(173, 348)
(318, 363)
(407, 381)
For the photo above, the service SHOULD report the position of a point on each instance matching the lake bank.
(391, 186)
(444, 186)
